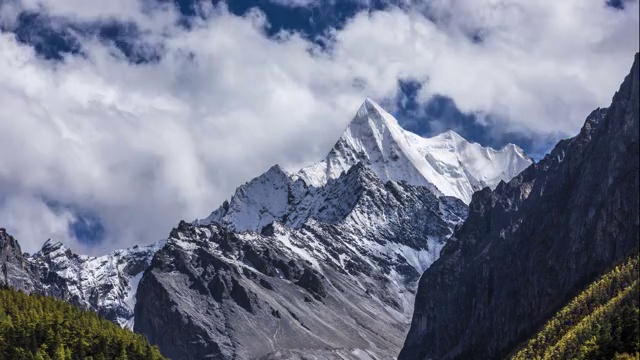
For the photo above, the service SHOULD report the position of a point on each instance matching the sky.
(120, 118)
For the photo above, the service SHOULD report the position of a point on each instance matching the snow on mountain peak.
(450, 135)
(374, 138)
(447, 163)
(257, 203)
(371, 111)
(104, 283)
(468, 166)
(53, 249)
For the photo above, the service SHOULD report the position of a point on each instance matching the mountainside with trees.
(601, 323)
(35, 327)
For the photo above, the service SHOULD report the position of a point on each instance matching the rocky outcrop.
(342, 279)
(105, 284)
(17, 272)
(529, 246)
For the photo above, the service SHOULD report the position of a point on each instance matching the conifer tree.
(34, 327)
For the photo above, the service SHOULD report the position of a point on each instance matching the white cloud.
(542, 66)
(147, 15)
(30, 220)
(145, 145)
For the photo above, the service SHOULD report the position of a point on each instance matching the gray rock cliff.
(339, 285)
(528, 246)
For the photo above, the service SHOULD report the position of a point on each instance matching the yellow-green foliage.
(34, 327)
(600, 323)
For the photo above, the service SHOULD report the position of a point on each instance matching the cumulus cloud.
(539, 65)
(145, 145)
(34, 220)
(142, 146)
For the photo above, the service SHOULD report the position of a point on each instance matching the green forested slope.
(600, 323)
(42, 328)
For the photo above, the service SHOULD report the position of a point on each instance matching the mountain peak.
(451, 135)
(51, 246)
(369, 107)
(8, 245)
(276, 169)
(373, 145)
(374, 138)
(370, 116)
(447, 164)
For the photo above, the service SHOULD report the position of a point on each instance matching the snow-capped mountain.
(327, 257)
(106, 284)
(446, 164)
(324, 260)
(338, 276)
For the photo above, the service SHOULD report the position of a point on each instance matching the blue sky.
(125, 117)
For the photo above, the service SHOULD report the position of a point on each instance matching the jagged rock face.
(16, 271)
(337, 284)
(531, 244)
(323, 262)
(105, 284)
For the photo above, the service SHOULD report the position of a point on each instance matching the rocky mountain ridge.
(446, 164)
(105, 284)
(341, 280)
(529, 245)
(17, 271)
(293, 262)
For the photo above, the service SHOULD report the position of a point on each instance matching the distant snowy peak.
(447, 163)
(374, 138)
(276, 196)
(462, 168)
(105, 284)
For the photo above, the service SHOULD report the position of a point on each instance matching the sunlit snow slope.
(447, 164)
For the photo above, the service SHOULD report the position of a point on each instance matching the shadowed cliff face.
(16, 271)
(530, 245)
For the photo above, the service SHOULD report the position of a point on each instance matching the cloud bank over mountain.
(100, 139)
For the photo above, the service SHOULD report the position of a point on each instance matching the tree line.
(36, 327)
(602, 322)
